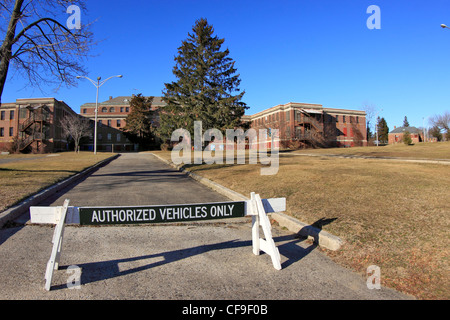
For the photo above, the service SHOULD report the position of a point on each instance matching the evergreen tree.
(138, 128)
(207, 86)
(407, 138)
(405, 122)
(383, 130)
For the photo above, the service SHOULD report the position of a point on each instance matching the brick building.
(111, 119)
(32, 124)
(35, 123)
(396, 135)
(311, 125)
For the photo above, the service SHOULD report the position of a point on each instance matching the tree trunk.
(6, 48)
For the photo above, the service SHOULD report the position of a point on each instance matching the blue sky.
(313, 51)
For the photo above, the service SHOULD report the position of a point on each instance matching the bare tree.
(40, 47)
(371, 111)
(442, 121)
(77, 127)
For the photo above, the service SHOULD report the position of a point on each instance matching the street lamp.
(444, 26)
(97, 84)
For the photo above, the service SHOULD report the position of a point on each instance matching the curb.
(20, 208)
(322, 238)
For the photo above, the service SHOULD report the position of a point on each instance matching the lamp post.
(444, 26)
(97, 84)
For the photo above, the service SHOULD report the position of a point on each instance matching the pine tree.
(383, 130)
(207, 86)
(138, 128)
(407, 138)
(405, 122)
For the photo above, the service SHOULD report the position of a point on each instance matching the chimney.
(110, 97)
(395, 127)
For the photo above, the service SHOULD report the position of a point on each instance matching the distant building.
(33, 124)
(111, 119)
(396, 135)
(312, 125)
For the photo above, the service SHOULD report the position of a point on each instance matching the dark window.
(11, 115)
(11, 131)
(2, 132)
(2, 117)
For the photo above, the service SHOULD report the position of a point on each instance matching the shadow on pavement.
(102, 270)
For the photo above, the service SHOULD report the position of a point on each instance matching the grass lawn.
(436, 150)
(20, 179)
(391, 214)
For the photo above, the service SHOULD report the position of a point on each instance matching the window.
(108, 136)
(343, 119)
(84, 110)
(11, 115)
(99, 136)
(288, 116)
(109, 123)
(127, 109)
(2, 132)
(2, 117)
(118, 137)
(112, 109)
(118, 123)
(100, 123)
(337, 118)
(357, 119)
(121, 109)
(104, 109)
(11, 131)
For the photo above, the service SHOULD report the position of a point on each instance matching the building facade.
(310, 125)
(32, 125)
(111, 119)
(396, 135)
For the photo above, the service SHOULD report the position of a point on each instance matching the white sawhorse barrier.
(256, 207)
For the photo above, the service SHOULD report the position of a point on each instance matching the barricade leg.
(53, 262)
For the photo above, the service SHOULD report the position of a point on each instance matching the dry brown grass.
(435, 150)
(390, 214)
(20, 179)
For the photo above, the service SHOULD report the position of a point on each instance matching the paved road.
(190, 261)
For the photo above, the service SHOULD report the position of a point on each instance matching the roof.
(404, 129)
(124, 101)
